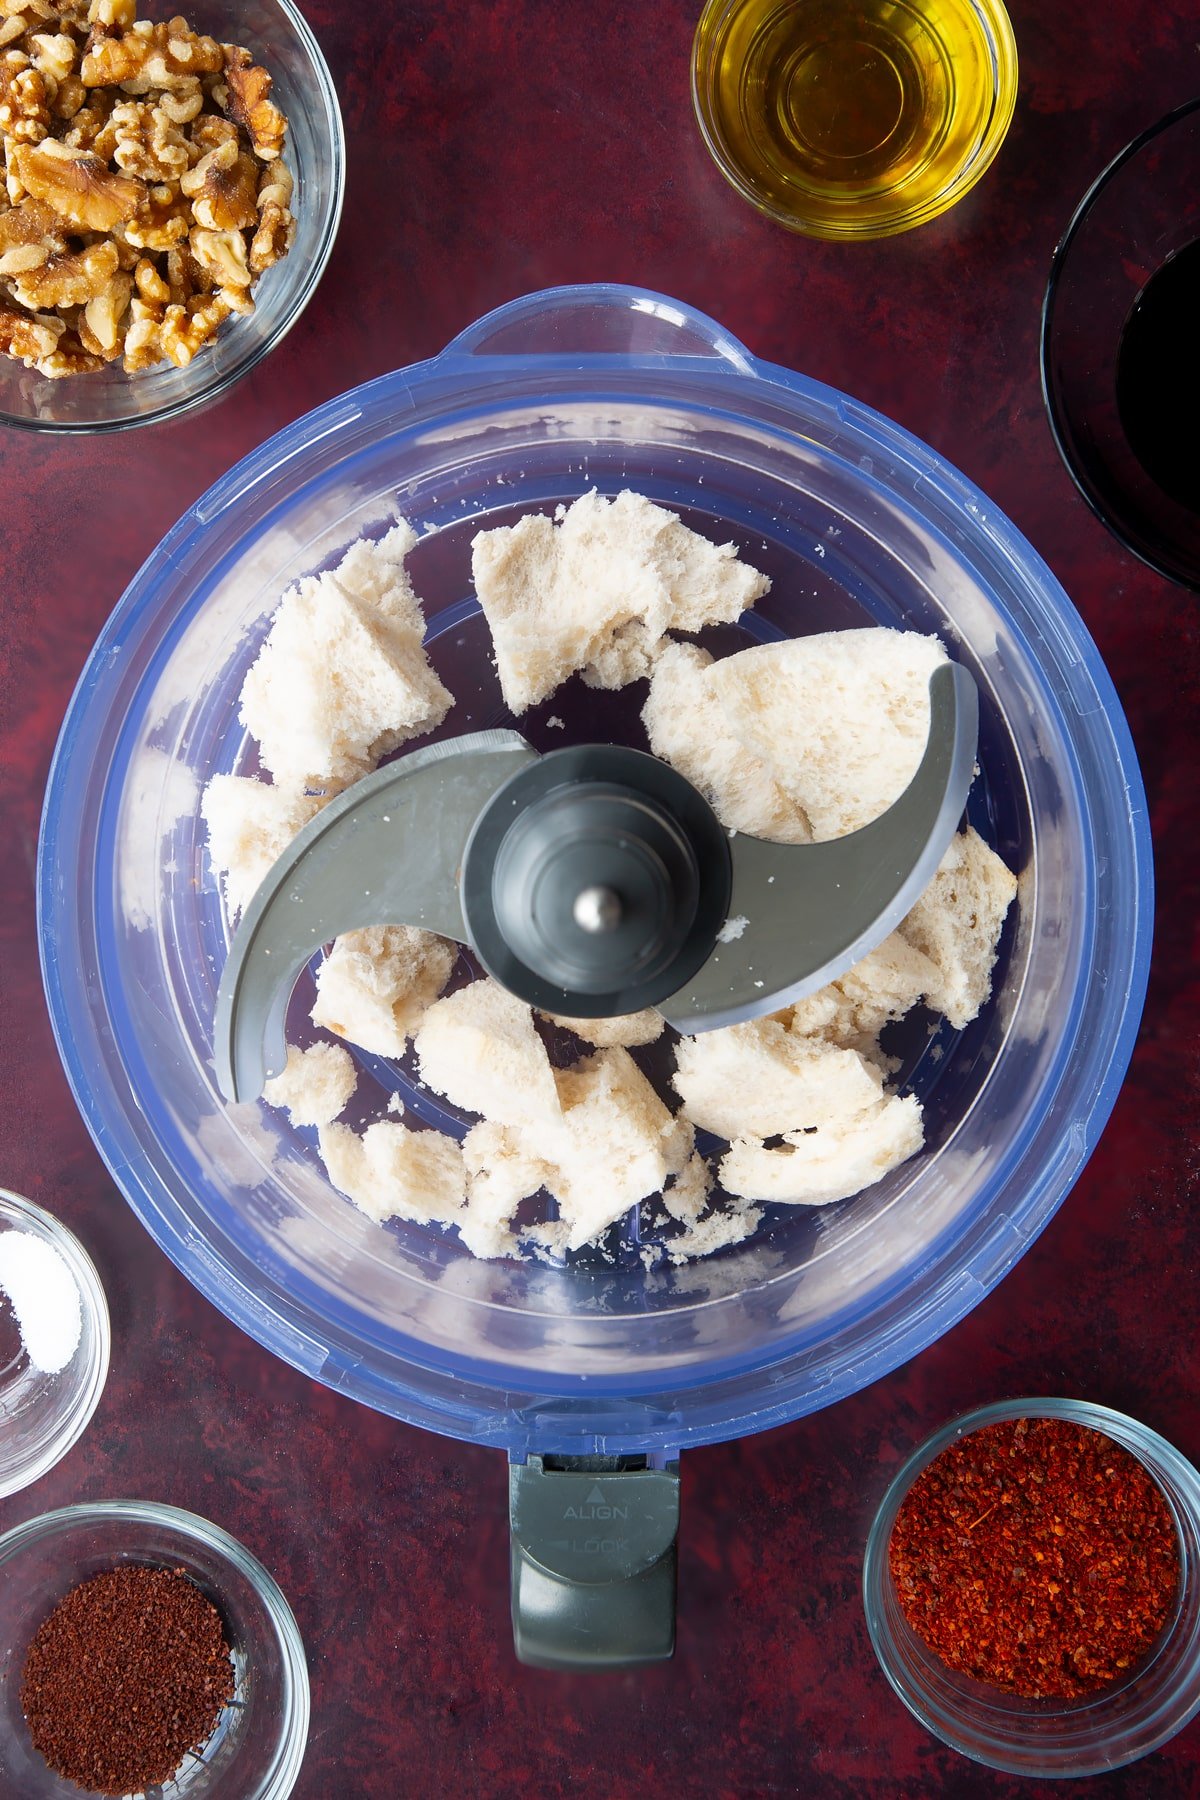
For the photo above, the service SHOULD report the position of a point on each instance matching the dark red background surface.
(496, 148)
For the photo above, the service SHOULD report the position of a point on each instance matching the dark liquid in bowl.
(1158, 378)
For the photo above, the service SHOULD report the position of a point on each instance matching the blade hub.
(592, 879)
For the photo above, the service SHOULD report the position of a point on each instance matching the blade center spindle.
(597, 909)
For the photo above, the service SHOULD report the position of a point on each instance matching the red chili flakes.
(129, 1673)
(1037, 1556)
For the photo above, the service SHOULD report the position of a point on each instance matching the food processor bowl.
(857, 523)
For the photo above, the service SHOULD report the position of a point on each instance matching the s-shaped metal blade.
(601, 870)
(387, 851)
(811, 911)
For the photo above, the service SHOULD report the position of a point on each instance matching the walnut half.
(151, 56)
(67, 280)
(77, 185)
(223, 189)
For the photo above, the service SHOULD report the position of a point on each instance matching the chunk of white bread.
(685, 1197)
(502, 1170)
(629, 1031)
(479, 1048)
(316, 1084)
(830, 1162)
(376, 985)
(758, 1079)
(956, 926)
(393, 1172)
(841, 1130)
(840, 720)
(620, 1143)
(343, 677)
(598, 590)
(616, 1144)
(250, 824)
(851, 1011)
(686, 1200)
(687, 727)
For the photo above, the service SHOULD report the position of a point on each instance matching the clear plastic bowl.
(857, 522)
(110, 400)
(1043, 1738)
(256, 1751)
(43, 1415)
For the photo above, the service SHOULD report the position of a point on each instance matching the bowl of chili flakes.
(1032, 1587)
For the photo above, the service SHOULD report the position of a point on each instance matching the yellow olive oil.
(848, 117)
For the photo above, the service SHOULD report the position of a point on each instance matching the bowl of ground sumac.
(143, 1648)
(1031, 1587)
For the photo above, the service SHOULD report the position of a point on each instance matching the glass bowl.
(110, 400)
(860, 204)
(1043, 1738)
(257, 1748)
(1142, 211)
(41, 1415)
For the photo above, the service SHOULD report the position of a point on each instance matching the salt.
(44, 1298)
(732, 929)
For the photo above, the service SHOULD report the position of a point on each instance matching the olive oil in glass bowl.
(853, 118)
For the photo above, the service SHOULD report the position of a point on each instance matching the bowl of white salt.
(54, 1341)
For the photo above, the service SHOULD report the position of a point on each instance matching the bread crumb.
(343, 678)
(732, 929)
(716, 1232)
(840, 720)
(956, 926)
(393, 1172)
(548, 1239)
(596, 591)
(250, 824)
(687, 728)
(376, 985)
(316, 1084)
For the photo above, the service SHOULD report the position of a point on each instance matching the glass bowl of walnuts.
(170, 191)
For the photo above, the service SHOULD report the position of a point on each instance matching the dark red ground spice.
(1037, 1556)
(128, 1674)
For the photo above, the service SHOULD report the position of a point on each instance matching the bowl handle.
(593, 1560)
(604, 321)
